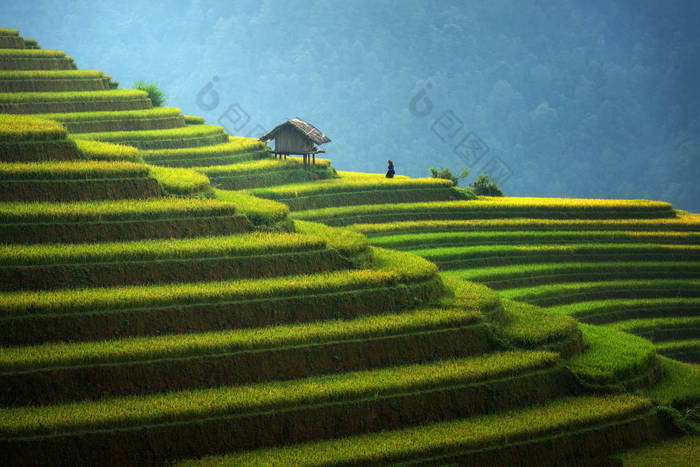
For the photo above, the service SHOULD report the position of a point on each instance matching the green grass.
(75, 117)
(99, 151)
(70, 170)
(259, 211)
(79, 96)
(447, 239)
(680, 387)
(14, 359)
(181, 182)
(529, 326)
(31, 75)
(152, 139)
(519, 275)
(683, 222)
(445, 437)
(15, 212)
(674, 452)
(22, 128)
(559, 294)
(187, 405)
(341, 185)
(254, 243)
(345, 241)
(609, 351)
(392, 268)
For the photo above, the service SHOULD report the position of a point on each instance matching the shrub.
(446, 174)
(485, 186)
(156, 94)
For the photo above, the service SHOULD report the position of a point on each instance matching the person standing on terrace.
(390, 173)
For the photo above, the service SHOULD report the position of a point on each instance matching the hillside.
(172, 293)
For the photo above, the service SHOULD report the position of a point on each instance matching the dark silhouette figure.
(390, 173)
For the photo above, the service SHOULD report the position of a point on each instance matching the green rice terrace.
(170, 293)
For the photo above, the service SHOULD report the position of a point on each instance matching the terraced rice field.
(233, 151)
(85, 101)
(597, 270)
(490, 208)
(169, 326)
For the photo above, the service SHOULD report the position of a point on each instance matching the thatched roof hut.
(297, 137)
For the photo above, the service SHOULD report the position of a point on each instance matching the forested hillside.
(594, 98)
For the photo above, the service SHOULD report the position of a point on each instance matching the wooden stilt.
(314, 156)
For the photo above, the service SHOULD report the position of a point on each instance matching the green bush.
(156, 94)
(484, 186)
(446, 174)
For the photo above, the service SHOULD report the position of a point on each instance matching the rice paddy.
(489, 209)
(391, 269)
(559, 294)
(682, 222)
(350, 185)
(680, 386)
(463, 239)
(239, 244)
(40, 53)
(234, 151)
(679, 451)
(179, 181)
(430, 441)
(155, 113)
(193, 135)
(49, 74)
(259, 211)
(236, 333)
(612, 352)
(15, 359)
(82, 96)
(22, 128)
(11, 213)
(528, 274)
(99, 151)
(162, 408)
(70, 170)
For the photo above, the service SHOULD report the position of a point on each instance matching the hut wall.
(290, 141)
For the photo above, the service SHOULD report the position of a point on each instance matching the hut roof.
(307, 129)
